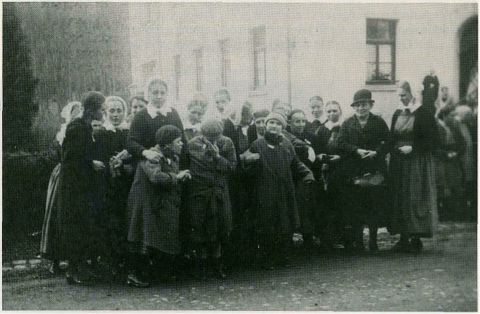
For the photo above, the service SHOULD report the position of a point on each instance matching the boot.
(75, 276)
(135, 280)
(54, 268)
(416, 245)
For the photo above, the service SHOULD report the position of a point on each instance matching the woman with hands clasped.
(154, 210)
(363, 143)
(412, 169)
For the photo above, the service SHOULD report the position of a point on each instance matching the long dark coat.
(81, 204)
(276, 211)
(109, 144)
(154, 207)
(306, 193)
(364, 204)
(208, 200)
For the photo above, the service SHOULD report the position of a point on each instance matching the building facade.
(264, 51)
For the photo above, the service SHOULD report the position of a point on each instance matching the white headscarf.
(107, 124)
(66, 114)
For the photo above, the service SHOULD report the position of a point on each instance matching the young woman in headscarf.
(49, 242)
(80, 204)
(211, 159)
(274, 167)
(415, 139)
(117, 178)
(154, 210)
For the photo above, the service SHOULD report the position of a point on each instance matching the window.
(177, 76)
(148, 69)
(381, 51)
(225, 61)
(259, 57)
(198, 53)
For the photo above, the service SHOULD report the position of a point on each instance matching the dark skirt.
(81, 215)
(414, 195)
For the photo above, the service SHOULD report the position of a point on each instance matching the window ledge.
(386, 87)
(258, 92)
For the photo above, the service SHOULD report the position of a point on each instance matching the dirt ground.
(442, 278)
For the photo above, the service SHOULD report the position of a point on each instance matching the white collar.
(188, 125)
(413, 106)
(153, 111)
(109, 126)
(330, 125)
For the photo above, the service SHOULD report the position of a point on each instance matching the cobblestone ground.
(442, 278)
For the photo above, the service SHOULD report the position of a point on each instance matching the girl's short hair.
(290, 116)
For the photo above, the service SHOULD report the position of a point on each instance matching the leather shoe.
(134, 281)
(74, 278)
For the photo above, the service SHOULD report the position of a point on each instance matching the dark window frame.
(258, 36)
(198, 55)
(225, 66)
(377, 43)
(177, 69)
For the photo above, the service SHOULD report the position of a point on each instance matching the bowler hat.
(361, 96)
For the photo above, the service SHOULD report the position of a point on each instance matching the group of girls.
(154, 195)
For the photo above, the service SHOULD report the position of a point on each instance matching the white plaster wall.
(329, 55)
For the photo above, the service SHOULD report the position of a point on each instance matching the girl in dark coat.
(80, 204)
(211, 158)
(330, 223)
(275, 167)
(117, 179)
(363, 143)
(154, 208)
(412, 171)
(306, 194)
(146, 122)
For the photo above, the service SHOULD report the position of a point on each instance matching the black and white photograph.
(240, 156)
